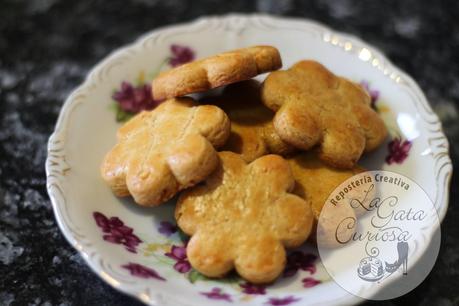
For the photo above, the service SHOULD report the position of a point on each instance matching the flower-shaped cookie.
(252, 132)
(316, 181)
(218, 70)
(165, 150)
(315, 107)
(244, 217)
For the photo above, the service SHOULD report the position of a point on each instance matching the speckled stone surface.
(47, 47)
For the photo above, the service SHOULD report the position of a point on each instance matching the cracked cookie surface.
(163, 151)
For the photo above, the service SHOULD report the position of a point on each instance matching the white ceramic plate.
(126, 245)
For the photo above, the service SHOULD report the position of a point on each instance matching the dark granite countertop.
(47, 47)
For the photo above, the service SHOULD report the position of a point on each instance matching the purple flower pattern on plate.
(180, 55)
(141, 271)
(282, 301)
(167, 228)
(398, 150)
(117, 232)
(249, 288)
(178, 253)
(130, 99)
(374, 94)
(299, 260)
(309, 282)
(217, 294)
(133, 99)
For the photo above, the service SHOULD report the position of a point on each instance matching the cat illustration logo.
(402, 249)
(372, 269)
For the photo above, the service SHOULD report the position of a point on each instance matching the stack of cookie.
(256, 162)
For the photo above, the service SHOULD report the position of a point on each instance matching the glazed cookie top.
(252, 132)
(218, 70)
(315, 107)
(243, 216)
(165, 150)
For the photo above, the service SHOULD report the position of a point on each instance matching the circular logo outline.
(372, 270)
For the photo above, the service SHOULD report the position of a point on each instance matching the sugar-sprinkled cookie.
(244, 217)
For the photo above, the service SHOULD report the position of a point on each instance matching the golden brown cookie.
(315, 107)
(163, 151)
(315, 181)
(252, 132)
(218, 70)
(244, 217)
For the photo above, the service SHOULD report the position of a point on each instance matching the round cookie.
(218, 70)
(163, 151)
(244, 217)
(252, 132)
(315, 107)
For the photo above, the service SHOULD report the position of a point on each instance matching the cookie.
(315, 181)
(218, 70)
(315, 107)
(165, 150)
(252, 132)
(244, 217)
